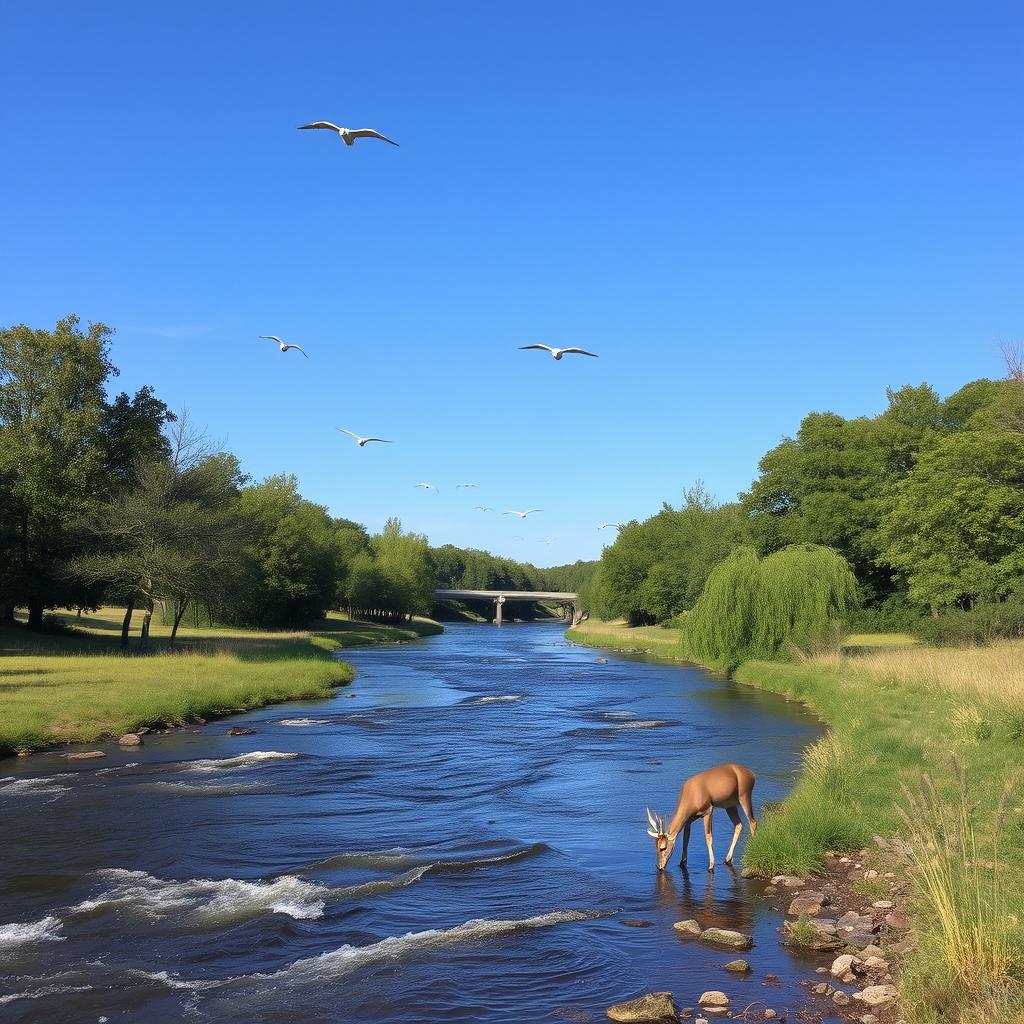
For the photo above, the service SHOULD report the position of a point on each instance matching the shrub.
(986, 623)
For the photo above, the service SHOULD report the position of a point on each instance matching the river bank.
(921, 767)
(73, 685)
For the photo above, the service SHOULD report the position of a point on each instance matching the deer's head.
(663, 842)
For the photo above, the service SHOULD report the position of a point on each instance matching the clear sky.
(749, 210)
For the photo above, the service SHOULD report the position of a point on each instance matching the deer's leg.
(686, 844)
(737, 828)
(748, 809)
(707, 839)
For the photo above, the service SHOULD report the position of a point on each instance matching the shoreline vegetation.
(921, 764)
(72, 684)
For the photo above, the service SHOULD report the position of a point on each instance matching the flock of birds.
(349, 136)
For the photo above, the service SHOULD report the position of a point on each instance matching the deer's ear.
(653, 834)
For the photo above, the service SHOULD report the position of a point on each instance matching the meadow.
(72, 684)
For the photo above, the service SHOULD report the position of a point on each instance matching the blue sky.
(749, 210)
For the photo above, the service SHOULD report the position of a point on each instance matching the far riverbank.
(72, 684)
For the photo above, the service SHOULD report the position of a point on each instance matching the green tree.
(403, 560)
(171, 536)
(955, 530)
(52, 414)
(751, 607)
(291, 570)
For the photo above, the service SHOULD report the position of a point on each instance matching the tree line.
(122, 501)
(923, 502)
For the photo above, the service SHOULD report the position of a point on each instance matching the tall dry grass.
(994, 673)
(968, 965)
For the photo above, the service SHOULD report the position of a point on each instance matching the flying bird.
(604, 526)
(467, 486)
(428, 487)
(559, 352)
(362, 440)
(348, 135)
(483, 508)
(281, 345)
(523, 515)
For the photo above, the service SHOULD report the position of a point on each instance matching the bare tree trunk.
(35, 615)
(126, 624)
(182, 605)
(146, 620)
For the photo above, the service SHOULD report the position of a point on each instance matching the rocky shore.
(853, 918)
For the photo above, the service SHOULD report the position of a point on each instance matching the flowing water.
(459, 836)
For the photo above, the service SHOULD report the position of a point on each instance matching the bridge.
(499, 597)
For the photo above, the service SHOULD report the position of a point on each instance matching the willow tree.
(793, 600)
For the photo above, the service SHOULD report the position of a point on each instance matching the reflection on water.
(459, 840)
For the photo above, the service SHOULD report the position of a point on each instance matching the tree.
(403, 560)
(829, 484)
(751, 607)
(292, 557)
(173, 535)
(131, 432)
(52, 453)
(955, 530)
(657, 568)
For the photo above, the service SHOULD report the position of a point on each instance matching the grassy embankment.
(76, 686)
(924, 749)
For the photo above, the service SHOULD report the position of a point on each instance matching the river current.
(458, 836)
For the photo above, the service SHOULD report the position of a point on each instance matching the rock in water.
(635, 922)
(737, 966)
(84, 755)
(655, 1006)
(690, 927)
(130, 739)
(241, 730)
(714, 998)
(726, 937)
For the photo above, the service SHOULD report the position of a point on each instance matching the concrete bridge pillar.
(498, 602)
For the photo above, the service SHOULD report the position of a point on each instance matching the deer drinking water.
(726, 786)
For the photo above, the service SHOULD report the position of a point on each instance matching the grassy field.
(924, 750)
(617, 636)
(75, 686)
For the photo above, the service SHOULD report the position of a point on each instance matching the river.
(456, 837)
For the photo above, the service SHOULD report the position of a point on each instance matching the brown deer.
(726, 786)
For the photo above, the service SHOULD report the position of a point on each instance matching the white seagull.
(362, 440)
(348, 135)
(466, 486)
(428, 487)
(604, 526)
(281, 345)
(559, 352)
(483, 508)
(522, 515)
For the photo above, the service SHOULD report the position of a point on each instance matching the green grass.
(617, 636)
(73, 685)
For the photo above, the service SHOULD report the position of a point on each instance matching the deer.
(726, 786)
